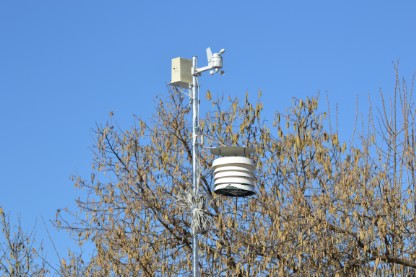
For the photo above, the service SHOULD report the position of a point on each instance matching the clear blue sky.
(64, 65)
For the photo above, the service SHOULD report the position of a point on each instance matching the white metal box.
(181, 72)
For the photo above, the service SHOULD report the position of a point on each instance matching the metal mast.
(181, 78)
(195, 152)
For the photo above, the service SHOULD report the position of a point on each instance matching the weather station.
(233, 170)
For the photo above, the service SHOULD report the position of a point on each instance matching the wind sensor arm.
(214, 63)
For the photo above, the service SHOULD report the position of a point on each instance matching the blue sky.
(64, 65)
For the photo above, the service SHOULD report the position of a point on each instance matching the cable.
(196, 204)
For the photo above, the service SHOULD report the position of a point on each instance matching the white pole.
(195, 126)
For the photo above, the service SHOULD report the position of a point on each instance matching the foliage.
(19, 257)
(322, 207)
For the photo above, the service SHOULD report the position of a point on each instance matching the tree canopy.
(323, 206)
